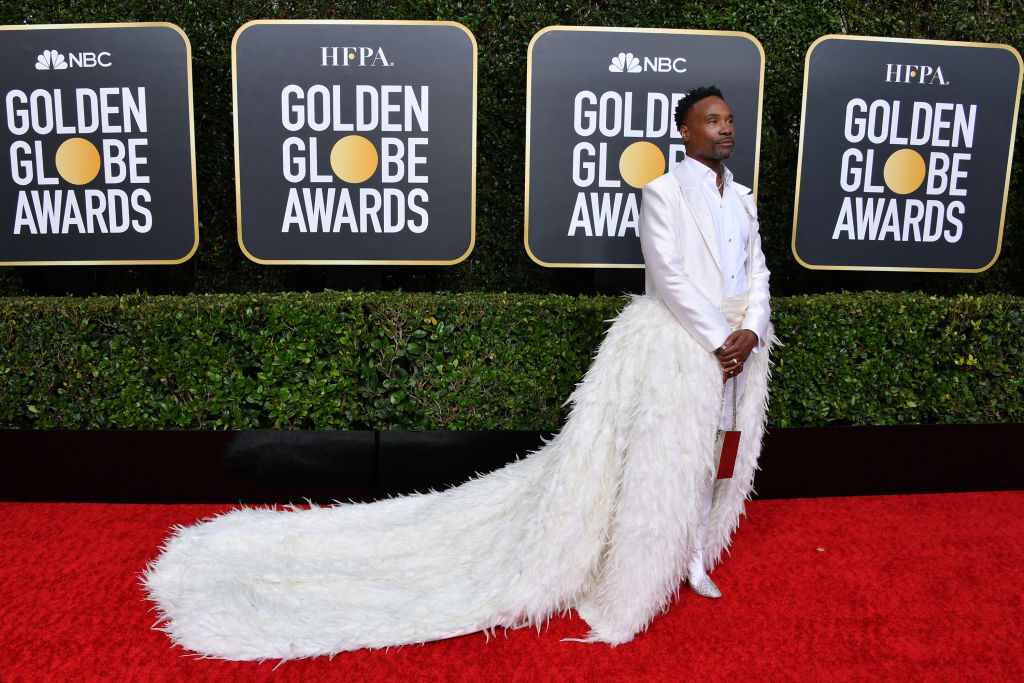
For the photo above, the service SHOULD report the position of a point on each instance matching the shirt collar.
(705, 174)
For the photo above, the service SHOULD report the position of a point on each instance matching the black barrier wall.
(503, 32)
(260, 468)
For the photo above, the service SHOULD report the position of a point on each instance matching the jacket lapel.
(698, 208)
(747, 200)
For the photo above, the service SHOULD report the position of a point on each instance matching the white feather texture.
(600, 519)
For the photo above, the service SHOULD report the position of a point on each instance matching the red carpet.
(925, 587)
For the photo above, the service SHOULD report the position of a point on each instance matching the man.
(604, 518)
(702, 250)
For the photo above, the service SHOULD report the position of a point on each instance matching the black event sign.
(355, 141)
(600, 104)
(905, 152)
(97, 127)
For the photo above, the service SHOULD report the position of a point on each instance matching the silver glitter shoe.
(706, 588)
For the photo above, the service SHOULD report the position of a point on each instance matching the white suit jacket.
(680, 247)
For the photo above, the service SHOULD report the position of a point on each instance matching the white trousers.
(734, 308)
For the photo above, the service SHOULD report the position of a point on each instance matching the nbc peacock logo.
(624, 62)
(627, 62)
(51, 60)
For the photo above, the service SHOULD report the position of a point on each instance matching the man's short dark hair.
(692, 98)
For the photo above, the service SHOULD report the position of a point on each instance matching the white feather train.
(600, 519)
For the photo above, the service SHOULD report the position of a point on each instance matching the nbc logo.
(627, 62)
(624, 62)
(50, 59)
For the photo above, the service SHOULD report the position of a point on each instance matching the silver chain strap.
(725, 385)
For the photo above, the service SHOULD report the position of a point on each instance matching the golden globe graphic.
(600, 112)
(98, 128)
(904, 155)
(354, 159)
(78, 161)
(359, 146)
(904, 171)
(641, 163)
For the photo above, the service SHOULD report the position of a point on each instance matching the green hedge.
(503, 31)
(469, 361)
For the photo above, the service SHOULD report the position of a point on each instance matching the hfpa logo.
(51, 60)
(627, 62)
(914, 73)
(353, 56)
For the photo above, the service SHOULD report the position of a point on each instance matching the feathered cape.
(601, 519)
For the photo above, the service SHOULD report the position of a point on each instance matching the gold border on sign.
(191, 141)
(1009, 154)
(348, 262)
(623, 29)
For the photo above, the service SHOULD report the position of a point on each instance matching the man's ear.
(684, 132)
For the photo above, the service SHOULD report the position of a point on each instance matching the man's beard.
(719, 153)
